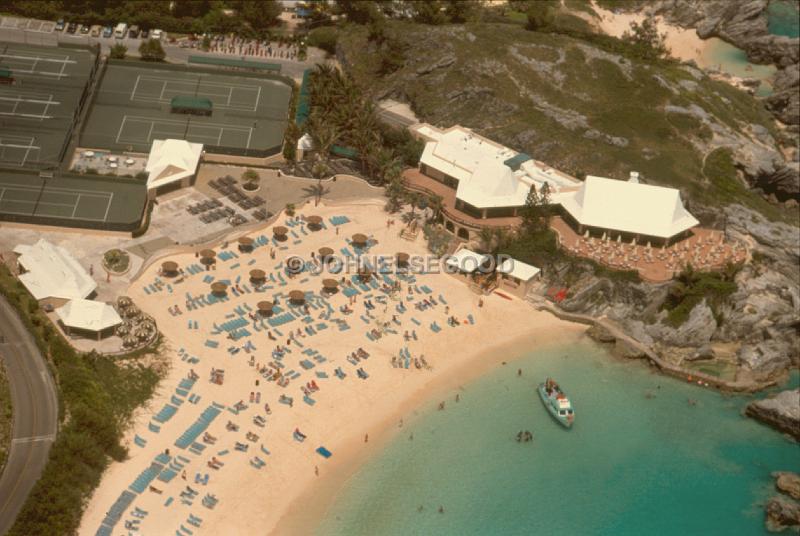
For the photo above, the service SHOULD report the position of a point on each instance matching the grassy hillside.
(580, 104)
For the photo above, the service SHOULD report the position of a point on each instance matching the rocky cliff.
(781, 411)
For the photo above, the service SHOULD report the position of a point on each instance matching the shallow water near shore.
(640, 459)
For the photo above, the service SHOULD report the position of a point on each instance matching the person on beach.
(366, 438)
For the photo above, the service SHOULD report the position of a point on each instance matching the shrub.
(151, 50)
(118, 52)
(325, 38)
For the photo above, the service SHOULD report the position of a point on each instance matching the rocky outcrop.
(782, 513)
(781, 412)
(788, 483)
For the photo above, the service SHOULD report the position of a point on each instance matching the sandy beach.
(294, 485)
(683, 44)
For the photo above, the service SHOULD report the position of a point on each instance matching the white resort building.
(629, 209)
(50, 272)
(90, 318)
(172, 164)
(481, 182)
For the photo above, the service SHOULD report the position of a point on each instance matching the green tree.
(531, 212)
(359, 11)
(250, 179)
(118, 52)
(151, 50)
(429, 12)
(395, 192)
(261, 14)
(647, 42)
(319, 170)
(540, 14)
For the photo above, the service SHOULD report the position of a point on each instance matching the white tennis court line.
(154, 122)
(63, 59)
(165, 85)
(107, 196)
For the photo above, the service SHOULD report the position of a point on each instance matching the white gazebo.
(171, 163)
(91, 317)
(517, 276)
(50, 271)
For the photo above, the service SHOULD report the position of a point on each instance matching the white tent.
(52, 272)
(629, 207)
(88, 315)
(518, 269)
(171, 161)
(466, 260)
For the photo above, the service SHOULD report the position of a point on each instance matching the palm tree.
(486, 237)
(319, 170)
(436, 202)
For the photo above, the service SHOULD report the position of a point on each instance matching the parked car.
(157, 34)
(95, 30)
(133, 33)
(71, 27)
(145, 33)
(84, 29)
(60, 25)
(108, 31)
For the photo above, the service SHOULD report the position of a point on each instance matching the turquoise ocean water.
(784, 18)
(640, 460)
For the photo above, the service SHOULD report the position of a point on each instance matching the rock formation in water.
(783, 511)
(781, 411)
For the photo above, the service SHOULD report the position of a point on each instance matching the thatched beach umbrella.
(123, 302)
(402, 258)
(280, 232)
(325, 253)
(265, 308)
(297, 297)
(257, 275)
(219, 288)
(169, 268)
(245, 243)
(314, 222)
(330, 285)
(208, 256)
(359, 240)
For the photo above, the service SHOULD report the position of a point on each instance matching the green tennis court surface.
(132, 108)
(101, 203)
(37, 111)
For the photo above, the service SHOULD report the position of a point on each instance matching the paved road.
(35, 404)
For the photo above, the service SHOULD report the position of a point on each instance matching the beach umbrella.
(245, 243)
(402, 258)
(359, 239)
(257, 275)
(265, 308)
(169, 268)
(314, 222)
(208, 256)
(330, 285)
(219, 288)
(280, 232)
(297, 297)
(325, 253)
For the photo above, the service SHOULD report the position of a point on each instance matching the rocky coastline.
(782, 412)
(783, 510)
(744, 24)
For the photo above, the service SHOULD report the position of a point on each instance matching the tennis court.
(37, 111)
(132, 108)
(90, 205)
(99, 202)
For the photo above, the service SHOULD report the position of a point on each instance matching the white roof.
(484, 181)
(171, 160)
(518, 269)
(89, 315)
(52, 272)
(466, 260)
(629, 207)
